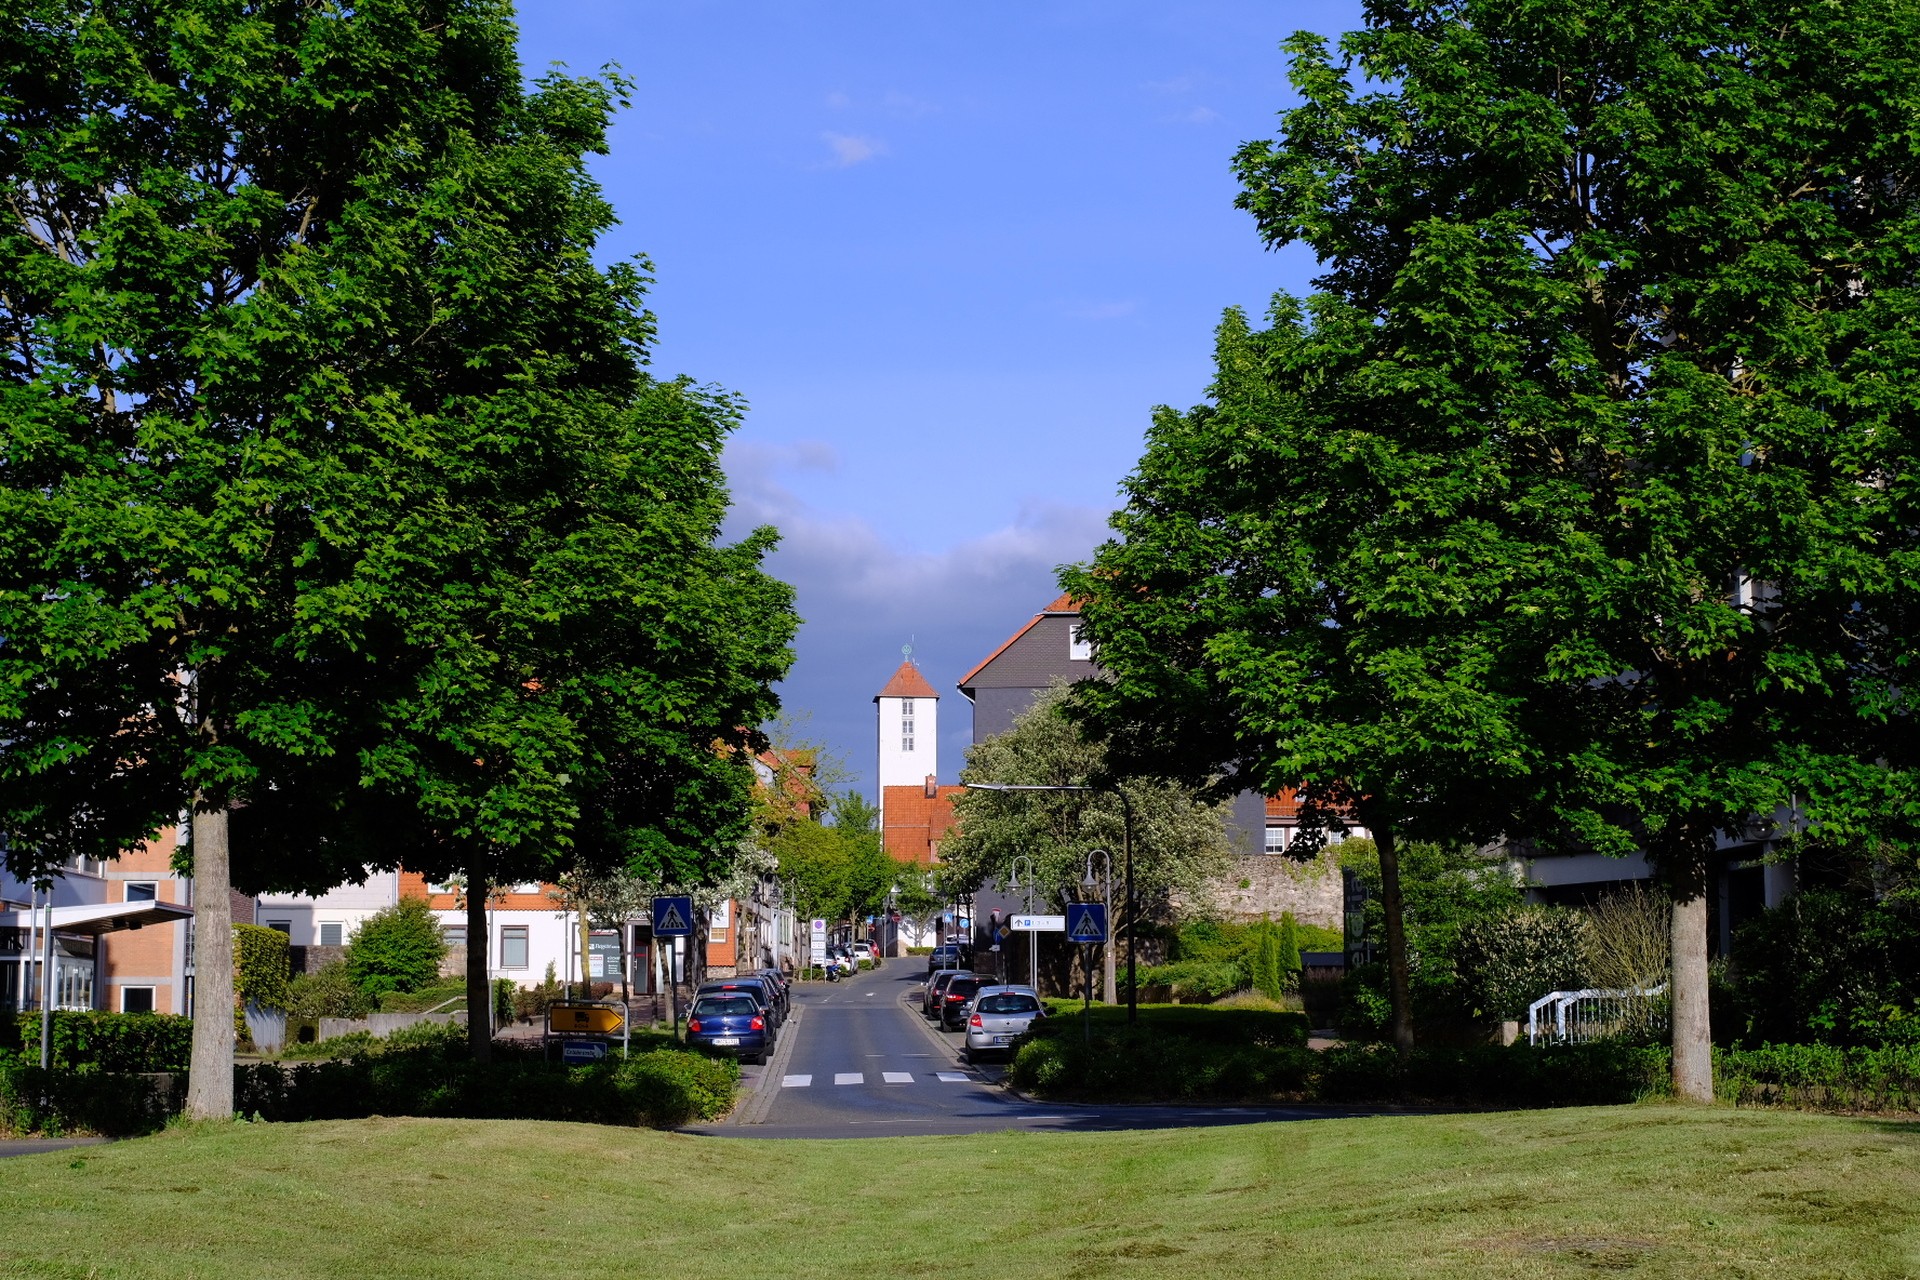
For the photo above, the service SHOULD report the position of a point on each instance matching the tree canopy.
(1594, 443)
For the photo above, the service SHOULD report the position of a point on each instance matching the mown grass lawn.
(1654, 1190)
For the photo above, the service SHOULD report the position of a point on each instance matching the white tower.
(908, 715)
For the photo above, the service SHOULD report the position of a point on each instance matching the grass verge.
(1654, 1189)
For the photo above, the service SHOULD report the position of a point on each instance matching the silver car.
(997, 1016)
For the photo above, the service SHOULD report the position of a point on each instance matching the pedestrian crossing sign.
(1086, 922)
(672, 917)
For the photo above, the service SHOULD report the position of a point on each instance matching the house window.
(142, 891)
(906, 707)
(136, 999)
(1079, 648)
(717, 922)
(1276, 839)
(331, 932)
(513, 946)
(454, 934)
(906, 743)
(284, 926)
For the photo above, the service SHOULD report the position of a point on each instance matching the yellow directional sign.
(578, 1017)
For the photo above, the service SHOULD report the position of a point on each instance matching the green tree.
(1288, 960)
(398, 948)
(1266, 960)
(198, 442)
(1179, 841)
(1601, 374)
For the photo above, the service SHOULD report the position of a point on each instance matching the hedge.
(1820, 1077)
(92, 1040)
(661, 1089)
(58, 1102)
(1197, 1022)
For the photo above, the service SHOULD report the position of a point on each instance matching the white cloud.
(851, 149)
(862, 597)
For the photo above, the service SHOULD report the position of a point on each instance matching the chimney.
(933, 787)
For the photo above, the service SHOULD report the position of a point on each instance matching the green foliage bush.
(93, 1041)
(327, 993)
(1200, 1023)
(1136, 1064)
(398, 948)
(61, 1102)
(1509, 959)
(260, 969)
(530, 1003)
(1831, 965)
(1190, 980)
(661, 1088)
(1267, 976)
(428, 999)
(1821, 1076)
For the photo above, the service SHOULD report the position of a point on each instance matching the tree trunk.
(479, 983)
(1692, 1029)
(210, 1071)
(1391, 906)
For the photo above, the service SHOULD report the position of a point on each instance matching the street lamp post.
(1033, 935)
(1126, 836)
(1105, 884)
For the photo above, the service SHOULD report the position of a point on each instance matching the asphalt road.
(856, 1060)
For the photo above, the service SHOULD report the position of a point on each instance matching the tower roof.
(907, 682)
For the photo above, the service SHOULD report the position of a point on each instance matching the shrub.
(327, 993)
(427, 999)
(1203, 1024)
(1193, 979)
(1628, 939)
(662, 1088)
(260, 970)
(1820, 1077)
(1508, 960)
(1266, 961)
(94, 1041)
(1831, 965)
(60, 1102)
(530, 1003)
(398, 948)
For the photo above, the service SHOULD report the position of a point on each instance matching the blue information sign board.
(1086, 922)
(672, 917)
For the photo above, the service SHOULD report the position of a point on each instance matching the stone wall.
(1265, 885)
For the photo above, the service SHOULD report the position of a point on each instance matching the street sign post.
(582, 1052)
(1039, 924)
(1086, 922)
(673, 918)
(1086, 925)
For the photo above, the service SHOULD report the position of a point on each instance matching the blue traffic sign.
(672, 917)
(1086, 922)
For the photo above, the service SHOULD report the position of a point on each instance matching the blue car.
(730, 1023)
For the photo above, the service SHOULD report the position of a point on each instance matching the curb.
(760, 1100)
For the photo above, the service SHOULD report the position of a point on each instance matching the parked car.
(946, 956)
(863, 951)
(759, 988)
(998, 1015)
(953, 1001)
(936, 984)
(730, 1022)
(782, 988)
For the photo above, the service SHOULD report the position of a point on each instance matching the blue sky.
(952, 255)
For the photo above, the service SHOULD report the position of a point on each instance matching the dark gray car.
(936, 983)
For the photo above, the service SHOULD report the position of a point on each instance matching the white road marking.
(849, 1077)
(952, 1077)
(897, 1077)
(795, 1082)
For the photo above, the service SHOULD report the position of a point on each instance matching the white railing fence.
(1574, 1017)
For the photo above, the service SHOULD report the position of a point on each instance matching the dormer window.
(1079, 648)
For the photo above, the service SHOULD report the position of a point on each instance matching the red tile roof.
(907, 682)
(1065, 604)
(917, 822)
